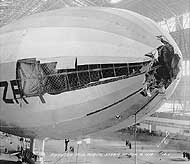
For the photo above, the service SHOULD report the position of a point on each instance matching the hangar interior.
(173, 16)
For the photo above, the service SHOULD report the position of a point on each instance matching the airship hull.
(82, 95)
(109, 104)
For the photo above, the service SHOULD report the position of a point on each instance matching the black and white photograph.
(94, 81)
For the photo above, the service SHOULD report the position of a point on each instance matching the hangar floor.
(111, 152)
(111, 149)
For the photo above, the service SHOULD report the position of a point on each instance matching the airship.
(71, 72)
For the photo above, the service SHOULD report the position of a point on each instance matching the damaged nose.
(163, 69)
(177, 66)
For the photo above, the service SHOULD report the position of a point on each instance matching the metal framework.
(11, 10)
